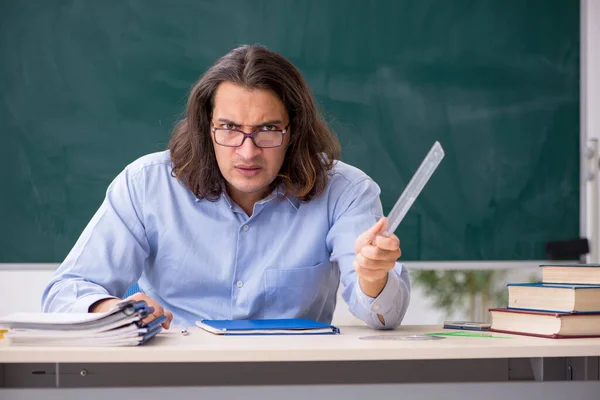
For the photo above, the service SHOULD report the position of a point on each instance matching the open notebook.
(121, 326)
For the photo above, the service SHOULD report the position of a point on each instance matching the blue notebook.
(289, 326)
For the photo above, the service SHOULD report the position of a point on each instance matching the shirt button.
(375, 307)
(246, 227)
(240, 284)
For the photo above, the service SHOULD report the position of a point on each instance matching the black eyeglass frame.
(250, 135)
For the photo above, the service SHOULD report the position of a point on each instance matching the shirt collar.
(278, 192)
(227, 199)
(293, 200)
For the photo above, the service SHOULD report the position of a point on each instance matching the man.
(248, 215)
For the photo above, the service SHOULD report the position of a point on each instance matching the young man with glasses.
(248, 215)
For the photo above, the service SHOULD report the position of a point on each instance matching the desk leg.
(551, 369)
(586, 368)
(57, 375)
(567, 369)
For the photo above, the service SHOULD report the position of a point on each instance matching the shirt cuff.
(383, 303)
(83, 304)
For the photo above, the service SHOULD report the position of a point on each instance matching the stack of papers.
(289, 326)
(121, 326)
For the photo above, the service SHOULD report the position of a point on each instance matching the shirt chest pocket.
(297, 292)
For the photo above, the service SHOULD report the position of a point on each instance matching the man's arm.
(108, 256)
(382, 299)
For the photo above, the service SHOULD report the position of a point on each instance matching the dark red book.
(554, 325)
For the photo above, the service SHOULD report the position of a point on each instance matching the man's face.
(247, 169)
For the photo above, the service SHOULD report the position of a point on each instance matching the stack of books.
(128, 324)
(566, 304)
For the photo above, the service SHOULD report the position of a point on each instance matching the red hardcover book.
(545, 324)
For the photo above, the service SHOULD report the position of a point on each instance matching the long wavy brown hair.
(313, 147)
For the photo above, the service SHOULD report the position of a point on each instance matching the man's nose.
(248, 149)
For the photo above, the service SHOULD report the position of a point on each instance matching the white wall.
(590, 111)
(22, 290)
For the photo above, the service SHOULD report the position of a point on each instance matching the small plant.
(451, 289)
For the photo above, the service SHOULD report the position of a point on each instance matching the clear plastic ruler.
(414, 187)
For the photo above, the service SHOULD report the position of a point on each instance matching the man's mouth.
(248, 170)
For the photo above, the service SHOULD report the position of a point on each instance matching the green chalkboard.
(88, 86)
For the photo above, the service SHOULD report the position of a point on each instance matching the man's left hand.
(376, 254)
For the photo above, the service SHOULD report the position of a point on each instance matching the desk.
(205, 360)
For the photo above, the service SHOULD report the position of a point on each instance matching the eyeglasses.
(263, 138)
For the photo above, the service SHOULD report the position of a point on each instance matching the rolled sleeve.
(391, 303)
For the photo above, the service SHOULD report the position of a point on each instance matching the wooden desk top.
(200, 346)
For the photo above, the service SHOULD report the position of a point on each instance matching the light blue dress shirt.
(209, 260)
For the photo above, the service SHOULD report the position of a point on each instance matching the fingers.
(377, 228)
(373, 261)
(367, 236)
(158, 309)
(378, 253)
(370, 275)
(369, 263)
(391, 243)
(167, 323)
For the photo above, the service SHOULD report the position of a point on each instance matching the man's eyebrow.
(227, 121)
(269, 122)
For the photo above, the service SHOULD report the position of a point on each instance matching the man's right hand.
(108, 304)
